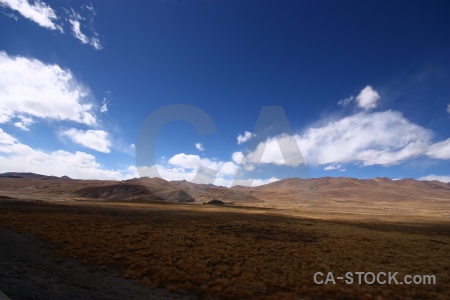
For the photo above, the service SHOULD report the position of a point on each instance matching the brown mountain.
(30, 186)
(117, 192)
(328, 193)
(350, 194)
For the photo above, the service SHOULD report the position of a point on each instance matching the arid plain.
(265, 242)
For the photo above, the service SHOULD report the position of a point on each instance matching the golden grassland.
(240, 253)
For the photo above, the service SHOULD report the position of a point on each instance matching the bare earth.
(58, 245)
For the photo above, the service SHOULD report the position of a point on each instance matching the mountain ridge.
(283, 193)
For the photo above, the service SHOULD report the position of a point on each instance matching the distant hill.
(351, 189)
(117, 192)
(313, 192)
(30, 175)
(164, 189)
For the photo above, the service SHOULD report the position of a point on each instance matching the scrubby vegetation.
(212, 253)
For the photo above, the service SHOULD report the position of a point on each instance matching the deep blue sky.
(231, 58)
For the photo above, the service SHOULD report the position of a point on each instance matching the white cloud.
(190, 161)
(30, 87)
(38, 12)
(104, 107)
(440, 150)
(193, 162)
(269, 152)
(366, 138)
(367, 98)
(6, 141)
(75, 22)
(24, 122)
(244, 138)
(228, 168)
(18, 157)
(93, 139)
(44, 15)
(168, 172)
(382, 138)
(333, 167)
(448, 108)
(178, 173)
(237, 157)
(187, 161)
(186, 167)
(95, 42)
(432, 177)
(199, 147)
(77, 31)
(90, 8)
(346, 101)
(244, 182)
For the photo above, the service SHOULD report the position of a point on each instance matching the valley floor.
(201, 251)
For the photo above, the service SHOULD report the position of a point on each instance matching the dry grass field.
(241, 253)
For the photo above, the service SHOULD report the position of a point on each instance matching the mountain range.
(282, 193)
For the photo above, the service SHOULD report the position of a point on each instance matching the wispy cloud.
(448, 108)
(24, 122)
(104, 107)
(45, 16)
(10, 15)
(346, 101)
(94, 139)
(77, 32)
(38, 12)
(105, 102)
(75, 20)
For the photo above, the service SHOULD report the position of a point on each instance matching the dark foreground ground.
(31, 269)
(162, 251)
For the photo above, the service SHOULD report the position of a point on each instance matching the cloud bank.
(379, 138)
(18, 157)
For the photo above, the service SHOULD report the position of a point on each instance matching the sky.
(225, 92)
